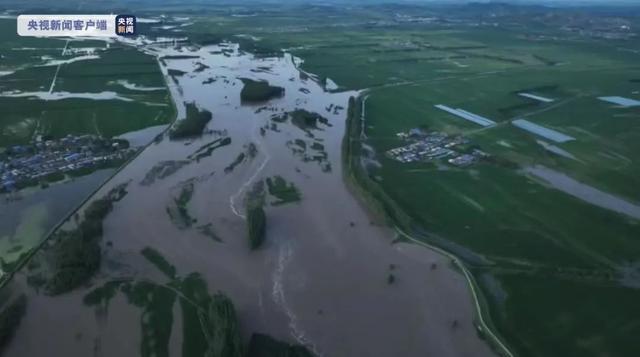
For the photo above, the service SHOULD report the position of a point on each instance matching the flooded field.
(26, 216)
(327, 276)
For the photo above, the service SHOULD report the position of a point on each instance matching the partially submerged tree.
(223, 331)
(257, 224)
(256, 217)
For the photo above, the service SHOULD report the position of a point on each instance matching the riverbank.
(384, 208)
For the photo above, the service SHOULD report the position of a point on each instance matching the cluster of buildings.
(468, 159)
(429, 146)
(24, 165)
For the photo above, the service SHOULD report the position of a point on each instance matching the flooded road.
(322, 278)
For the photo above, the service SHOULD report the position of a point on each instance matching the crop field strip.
(25, 117)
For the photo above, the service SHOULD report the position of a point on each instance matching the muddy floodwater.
(322, 276)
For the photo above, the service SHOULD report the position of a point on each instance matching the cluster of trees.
(193, 125)
(266, 346)
(224, 339)
(223, 330)
(207, 149)
(10, 318)
(181, 205)
(283, 191)
(176, 72)
(257, 225)
(259, 91)
(307, 120)
(235, 163)
(159, 261)
(211, 325)
(77, 258)
(77, 253)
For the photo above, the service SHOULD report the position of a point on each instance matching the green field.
(23, 118)
(564, 247)
(545, 248)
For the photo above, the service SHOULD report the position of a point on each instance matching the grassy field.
(31, 66)
(546, 248)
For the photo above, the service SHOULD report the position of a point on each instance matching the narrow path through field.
(53, 82)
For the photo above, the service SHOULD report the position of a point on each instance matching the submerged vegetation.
(191, 126)
(179, 211)
(259, 91)
(101, 295)
(308, 121)
(238, 160)
(314, 152)
(262, 345)
(176, 72)
(255, 216)
(222, 329)
(159, 261)
(162, 170)
(76, 254)
(10, 317)
(256, 225)
(156, 320)
(207, 230)
(283, 191)
(210, 325)
(207, 149)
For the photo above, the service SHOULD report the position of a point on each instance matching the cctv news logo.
(125, 25)
(77, 25)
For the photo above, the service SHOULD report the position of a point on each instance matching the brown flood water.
(321, 277)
